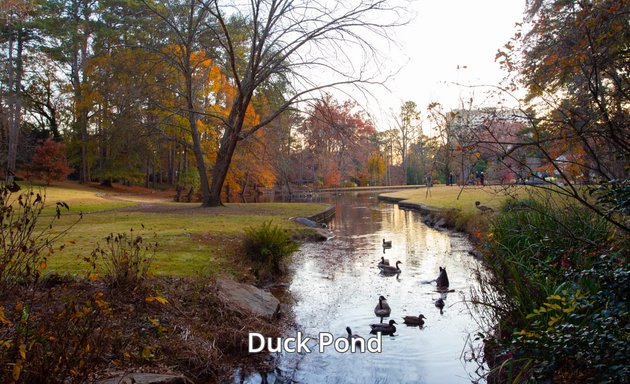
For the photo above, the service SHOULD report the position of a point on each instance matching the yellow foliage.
(3, 319)
(159, 299)
(17, 370)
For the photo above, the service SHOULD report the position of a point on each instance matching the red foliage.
(49, 161)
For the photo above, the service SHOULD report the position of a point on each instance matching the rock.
(307, 222)
(145, 378)
(440, 223)
(247, 298)
(320, 234)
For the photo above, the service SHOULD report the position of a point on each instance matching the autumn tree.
(283, 40)
(339, 136)
(574, 64)
(49, 161)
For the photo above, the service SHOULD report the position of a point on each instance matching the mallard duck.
(387, 244)
(382, 309)
(414, 320)
(383, 262)
(387, 329)
(352, 336)
(390, 269)
(442, 279)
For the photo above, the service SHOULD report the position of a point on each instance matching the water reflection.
(336, 284)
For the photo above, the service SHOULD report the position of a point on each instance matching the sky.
(443, 35)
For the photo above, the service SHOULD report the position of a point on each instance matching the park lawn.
(191, 240)
(80, 198)
(442, 196)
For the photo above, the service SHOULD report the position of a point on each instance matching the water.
(336, 284)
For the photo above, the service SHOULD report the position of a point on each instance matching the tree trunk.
(221, 167)
(15, 101)
(201, 164)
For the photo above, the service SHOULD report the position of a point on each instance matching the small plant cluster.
(54, 343)
(584, 329)
(126, 259)
(268, 245)
(558, 296)
(25, 243)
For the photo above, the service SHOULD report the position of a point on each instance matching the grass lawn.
(191, 239)
(80, 198)
(442, 196)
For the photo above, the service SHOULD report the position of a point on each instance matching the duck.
(387, 244)
(351, 335)
(383, 262)
(390, 269)
(483, 208)
(382, 309)
(439, 303)
(442, 279)
(387, 329)
(414, 320)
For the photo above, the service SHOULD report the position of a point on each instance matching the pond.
(335, 284)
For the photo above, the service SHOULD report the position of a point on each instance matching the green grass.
(191, 240)
(447, 197)
(79, 198)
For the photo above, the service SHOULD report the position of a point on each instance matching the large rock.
(247, 298)
(145, 378)
(319, 233)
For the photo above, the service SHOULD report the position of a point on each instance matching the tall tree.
(14, 34)
(408, 124)
(285, 40)
(339, 138)
(70, 27)
(574, 63)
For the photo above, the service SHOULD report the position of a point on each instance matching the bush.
(54, 341)
(49, 161)
(583, 328)
(126, 259)
(556, 294)
(268, 245)
(25, 245)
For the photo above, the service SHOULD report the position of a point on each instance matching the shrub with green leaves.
(584, 328)
(558, 296)
(268, 245)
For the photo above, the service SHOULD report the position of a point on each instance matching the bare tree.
(312, 45)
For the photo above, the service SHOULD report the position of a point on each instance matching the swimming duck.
(383, 262)
(414, 320)
(387, 329)
(442, 279)
(352, 336)
(387, 244)
(382, 309)
(390, 269)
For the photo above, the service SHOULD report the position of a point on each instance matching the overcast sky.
(442, 35)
